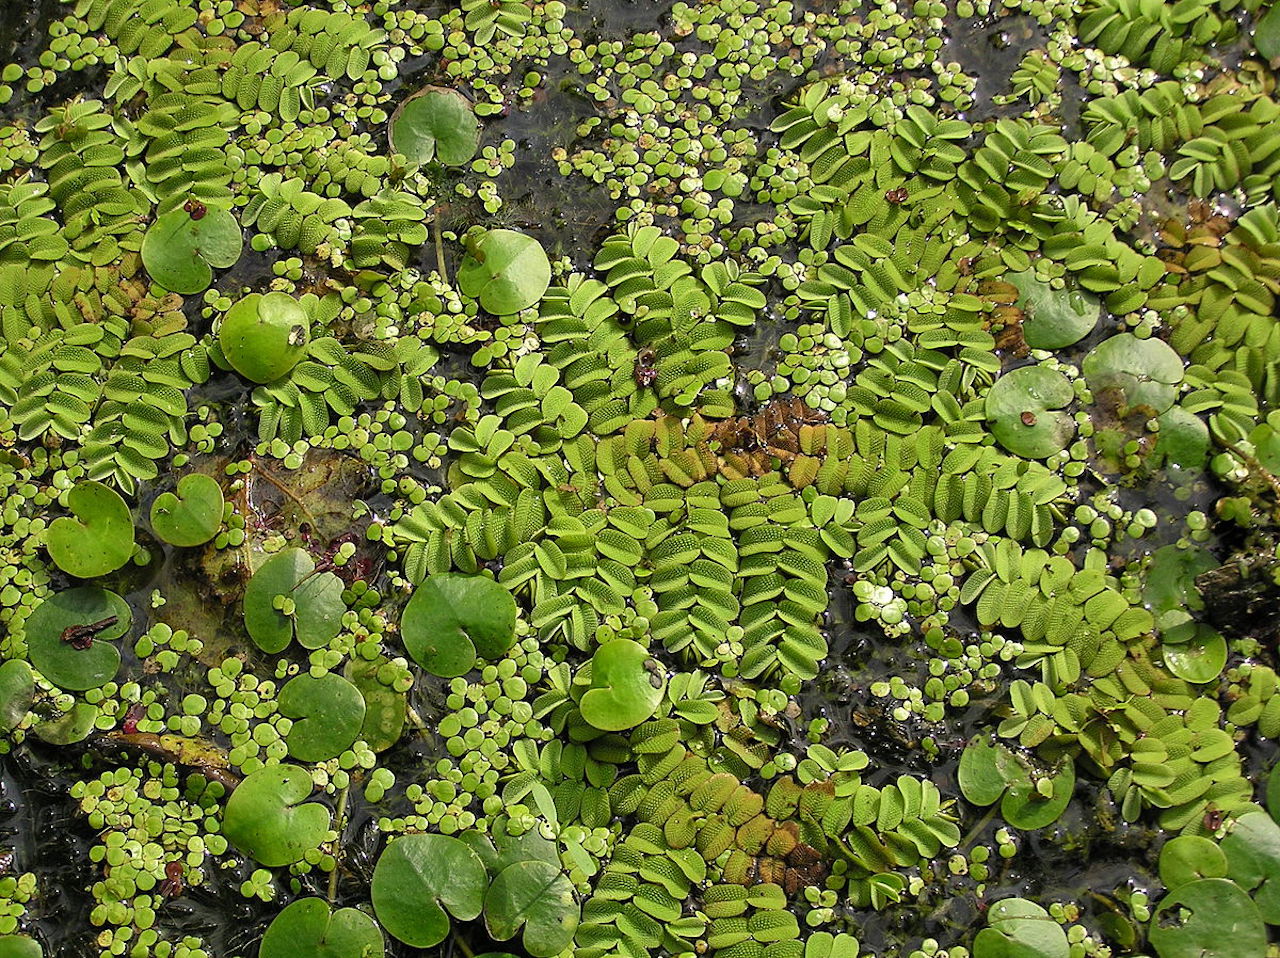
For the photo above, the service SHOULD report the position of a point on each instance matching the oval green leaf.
(20, 946)
(1209, 918)
(435, 124)
(1026, 409)
(1054, 318)
(626, 686)
(1189, 858)
(1020, 929)
(451, 619)
(179, 250)
(58, 658)
(536, 895)
(417, 877)
(307, 928)
(317, 599)
(263, 336)
(327, 713)
(99, 539)
(1026, 808)
(1136, 372)
(1199, 659)
(506, 270)
(17, 692)
(192, 515)
(264, 820)
(986, 770)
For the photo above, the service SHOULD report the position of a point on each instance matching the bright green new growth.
(268, 818)
(97, 538)
(626, 686)
(182, 247)
(263, 336)
(505, 270)
(190, 516)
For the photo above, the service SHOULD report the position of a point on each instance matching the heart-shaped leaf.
(181, 247)
(264, 820)
(1025, 807)
(99, 539)
(385, 708)
(1026, 410)
(316, 599)
(307, 928)
(1209, 918)
(20, 946)
(435, 124)
(986, 770)
(417, 877)
(1054, 318)
(1188, 858)
(70, 727)
(1138, 372)
(1253, 859)
(506, 270)
(450, 619)
(1020, 929)
(327, 713)
(17, 691)
(626, 686)
(538, 896)
(192, 516)
(69, 637)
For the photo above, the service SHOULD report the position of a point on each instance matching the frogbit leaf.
(20, 946)
(1054, 317)
(385, 708)
(17, 691)
(626, 686)
(99, 539)
(69, 637)
(986, 770)
(1209, 918)
(451, 619)
(264, 819)
(419, 876)
(1026, 808)
(1138, 373)
(316, 597)
(306, 928)
(263, 336)
(181, 247)
(506, 270)
(1026, 410)
(1188, 858)
(327, 713)
(192, 515)
(536, 895)
(435, 123)
(1020, 929)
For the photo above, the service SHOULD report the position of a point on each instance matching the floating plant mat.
(638, 479)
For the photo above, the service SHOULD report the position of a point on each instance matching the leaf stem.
(462, 943)
(440, 264)
(337, 850)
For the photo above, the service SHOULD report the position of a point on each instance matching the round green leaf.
(20, 946)
(626, 686)
(192, 516)
(307, 928)
(986, 770)
(1209, 918)
(1054, 318)
(327, 713)
(1199, 659)
(1020, 929)
(1188, 858)
(180, 249)
(385, 708)
(1142, 372)
(99, 539)
(435, 123)
(263, 336)
(60, 661)
(317, 598)
(17, 691)
(1253, 861)
(1266, 33)
(507, 271)
(1026, 410)
(264, 820)
(417, 877)
(70, 727)
(1183, 439)
(1170, 582)
(1025, 808)
(536, 895)
(450, 619)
